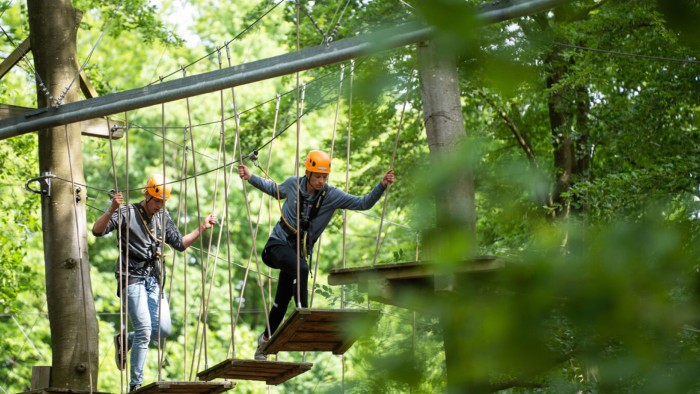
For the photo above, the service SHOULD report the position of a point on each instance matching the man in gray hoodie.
(317, 202)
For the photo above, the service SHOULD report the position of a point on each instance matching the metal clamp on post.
(44, 182)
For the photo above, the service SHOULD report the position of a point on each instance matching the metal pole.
(259, 70)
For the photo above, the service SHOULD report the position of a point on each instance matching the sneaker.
(134, 387)
(119, 356)
(119, 353)
(259, 354)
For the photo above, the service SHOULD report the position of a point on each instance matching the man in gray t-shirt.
(317, 201)
(145, 225)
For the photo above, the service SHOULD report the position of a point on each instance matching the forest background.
(582, 137)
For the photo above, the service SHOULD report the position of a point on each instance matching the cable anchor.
(44, 183)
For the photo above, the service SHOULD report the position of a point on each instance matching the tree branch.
(522, 141)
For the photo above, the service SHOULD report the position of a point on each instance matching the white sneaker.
(259, 354)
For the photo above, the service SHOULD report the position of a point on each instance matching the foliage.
(599, 290)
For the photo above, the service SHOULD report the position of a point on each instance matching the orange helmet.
(158, 188)
(318, 161)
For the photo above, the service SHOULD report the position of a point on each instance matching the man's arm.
(101, 223)
(208, 223)
(360, 203)
(264, 185)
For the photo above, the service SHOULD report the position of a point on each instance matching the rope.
(26, 336)
(80, 254)
(345, 211)
(313, 22)
(253, 248)
(182, 206)
(42, 86)
(250, 222)
(6, 7)
(227, 43)
(87, 59)
(161, 258)
(128, 246)
(178, 145)
(335, 126)
(201, 244)
(296, 165)
(347, 179)
(122, 337)
(253, 232)
(211, 234)
(331, 37)
(391, 167)
(222, 145)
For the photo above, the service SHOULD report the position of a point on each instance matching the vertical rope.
(335, 126)
(122, 336)
(296, 165)
(125, 294)
(211, 234)
(391, 167)
(253, 248)
(249, 215)
(201, 241)
(80, 253)
(347, 179)
(182, 207)
(245, 197)
(161, 246)
(222, 145)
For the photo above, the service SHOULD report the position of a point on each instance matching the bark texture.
(74, 342)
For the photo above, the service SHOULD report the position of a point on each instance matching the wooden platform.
(52, 390)
(186, 387)
(321, 330)
(271, 372)
(387, 283)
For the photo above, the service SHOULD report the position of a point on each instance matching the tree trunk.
(568, 111)
(454, 199)
(444, 126)
(53, 28)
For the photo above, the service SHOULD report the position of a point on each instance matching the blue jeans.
(143, 315)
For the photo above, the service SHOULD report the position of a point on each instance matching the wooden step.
(321, 330)
(271, 372)
(186, 387)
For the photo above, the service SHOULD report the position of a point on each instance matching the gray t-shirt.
(141, 247)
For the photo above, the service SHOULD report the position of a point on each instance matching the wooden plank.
(271, 372)
(186, 387)
(86, 87)
(14, 57)
(55, 390)
(319, 330)
(412, 270)
(315, 336)
(91, 127)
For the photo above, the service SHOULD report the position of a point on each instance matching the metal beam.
(98, 127)
(305, 59)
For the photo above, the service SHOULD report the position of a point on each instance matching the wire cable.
(228, 42)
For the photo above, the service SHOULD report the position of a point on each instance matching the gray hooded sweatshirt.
(334, 199)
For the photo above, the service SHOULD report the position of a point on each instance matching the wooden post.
(53, 28)
(41, 377)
